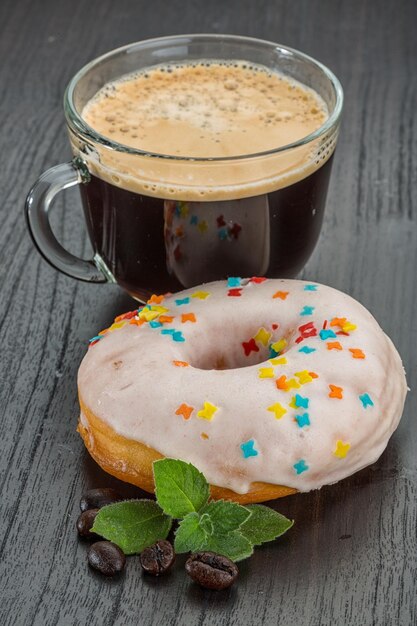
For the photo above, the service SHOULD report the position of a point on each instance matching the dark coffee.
(167, 246)
(164, 224)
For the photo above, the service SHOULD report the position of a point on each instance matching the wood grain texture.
(351, 558)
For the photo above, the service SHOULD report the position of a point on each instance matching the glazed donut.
(267, 386)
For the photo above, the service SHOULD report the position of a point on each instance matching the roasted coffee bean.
(85, 523)
(96, 498)
(211, 570)
(157, 559)
(106, 557)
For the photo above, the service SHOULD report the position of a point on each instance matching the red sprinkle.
(220, 221)
(250, 346)
(275, 326)
(235, 292)
(258, 279)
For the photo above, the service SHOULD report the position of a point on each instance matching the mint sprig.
(182, 493)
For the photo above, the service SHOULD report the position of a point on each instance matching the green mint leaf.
(225, 516)
(133, 525)
(190, 536)
(233, 545)
(264, 524)
(179, 487)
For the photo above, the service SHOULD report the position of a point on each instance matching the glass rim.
(78, 125)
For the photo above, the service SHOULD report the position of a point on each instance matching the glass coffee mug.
(159, 222)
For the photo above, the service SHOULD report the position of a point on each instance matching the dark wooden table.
(351, 558)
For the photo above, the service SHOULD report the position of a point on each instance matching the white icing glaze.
(139, 396)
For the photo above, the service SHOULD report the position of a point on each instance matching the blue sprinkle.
(307, 310)
(155, 324)
(96, 338)
(300, 401)
(307, 350)
(303, 420)
(300, 467)
(310, 287)
(234, 281)
(248, 449)
(178, 336)
(168, 331)
(223, 233)
(184, 301)
(272, 353)
(366, 400)
(194, 220)
(327, 334)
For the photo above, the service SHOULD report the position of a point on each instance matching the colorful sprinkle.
(357, 353)
(263, 336)
(235, 292)
(366, 400)
(334, 345)
(336, 392)
(278, 361)
(180, 363)
(279, 346)
(182, 301)
(248, 448)
(300, 467)
(292, 384)
(306, 331)
(301, 402)
(338, 321)
(234, 281)
(168, 331)
(188, 317)
(126, 316)
(220, 221)
(302, 420)
(348, 327)
(155, 324)
(310, 287)
(154, 299)
(281, 294)
(275, 326)
(165, 319)
(95, 339)
(327, 334)
(203, 226)
(307, 350)
(304, 377)
(207, 412)
(147, 315)
(184, 209)
(204, 436)
(194, 220)
(258, 279)
(137, 322)
(178, 336)
(307, 310)
(278, 410)
(250, 346)
(282, 383)
(266, 372)
(223, 234)
(185, 411)
(341, 449)
(313, 375)
(201, 295)
(235, 230)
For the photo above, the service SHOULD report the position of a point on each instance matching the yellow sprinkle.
(263, 336)
(341, 449)
(281, 360)
(266, 372)
(148, 315)
(278, 346)
(183, 209)
(292, 403)
(348, 327)
(117, 325)
(292, 384)
(304, 377)
(278, 410)
(158, 309)
(207, 412)
(202, 226)
(201, 295)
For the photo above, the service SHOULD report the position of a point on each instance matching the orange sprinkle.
(154, 299)
(336, 392)
(334, 345)
(281, 294)
(204, 436)
(181, 363)
(165, 319)
(338, 321)
(188, 317)
(357, 353)
(185, 411)
(313, 375)
(281, 383)
(137, 322)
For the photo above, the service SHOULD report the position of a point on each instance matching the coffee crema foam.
(206, 110)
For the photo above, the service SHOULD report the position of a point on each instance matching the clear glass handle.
(38, 204)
